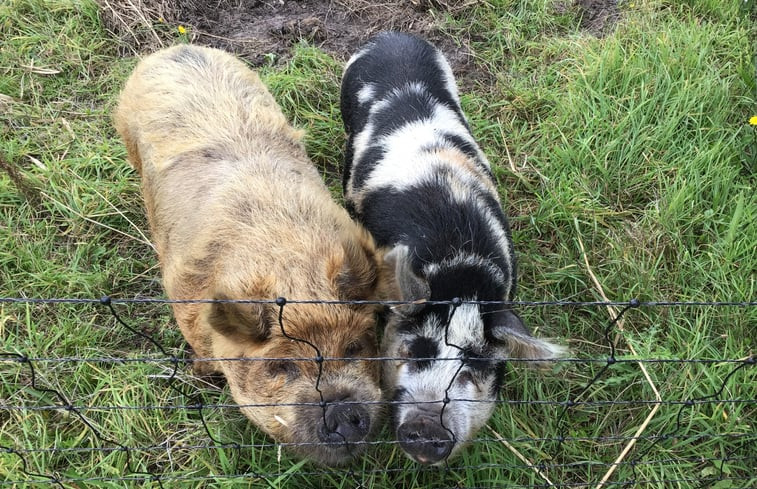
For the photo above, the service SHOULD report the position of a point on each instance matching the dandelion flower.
(182, 29)
(753, 120)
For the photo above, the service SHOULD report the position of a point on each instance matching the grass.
(634, 147)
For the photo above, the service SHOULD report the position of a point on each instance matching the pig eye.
(283, 367)
(404, 350)
(353, 349)
(465, 378)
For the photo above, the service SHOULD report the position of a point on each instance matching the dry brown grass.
(133, 21)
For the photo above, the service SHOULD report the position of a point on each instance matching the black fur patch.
(403, 108)
(392, 60)
(436, 226)
(465, 282)
(399, 394)
(365, 165)
(423, 347)
(499, 378)
(476, 361)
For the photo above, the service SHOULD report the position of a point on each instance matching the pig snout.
(425, 439)
(344, 423)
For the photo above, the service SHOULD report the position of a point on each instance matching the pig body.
(418, 181)
(237, 211)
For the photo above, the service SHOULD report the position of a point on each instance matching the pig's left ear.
(238, 320)
(355, 273)
(515, 341)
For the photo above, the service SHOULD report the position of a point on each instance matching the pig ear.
(411, 286)
(239, 319)
(515, 341)
(355, 274)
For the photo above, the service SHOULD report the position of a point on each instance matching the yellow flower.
(753, 120)
(182, 29)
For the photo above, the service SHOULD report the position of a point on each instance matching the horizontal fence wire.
(82, 408)
(24, 368)
(564, 439)
(124, 360)
(697, 481)
(105, 300)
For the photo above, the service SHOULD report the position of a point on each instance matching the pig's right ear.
(411, 286)
(514, 340)
(236, 319)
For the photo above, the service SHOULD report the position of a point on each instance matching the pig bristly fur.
(237, 211)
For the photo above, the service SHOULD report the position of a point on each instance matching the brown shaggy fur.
(237, 211)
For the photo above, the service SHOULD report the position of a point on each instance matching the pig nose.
(344, 423)
(424, 439)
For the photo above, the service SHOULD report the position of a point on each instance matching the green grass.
(636, 146)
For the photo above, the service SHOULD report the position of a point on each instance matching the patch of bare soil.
(263, 31)
(598, 16)
(260, 30)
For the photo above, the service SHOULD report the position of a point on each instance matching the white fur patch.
(449, 77)
(366, 93)
(362, 141)
(466, 329)
(404, 146)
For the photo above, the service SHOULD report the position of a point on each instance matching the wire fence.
(723, 457)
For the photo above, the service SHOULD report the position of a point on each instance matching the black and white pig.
(418, 181)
